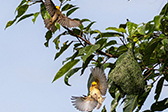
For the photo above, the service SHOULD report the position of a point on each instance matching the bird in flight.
(57, 16)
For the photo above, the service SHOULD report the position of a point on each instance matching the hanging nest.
(127, 74)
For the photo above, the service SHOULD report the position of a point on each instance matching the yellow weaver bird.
(57, 16)
(97, 89)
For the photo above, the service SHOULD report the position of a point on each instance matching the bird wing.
(85, 103)
(100, 78)
(50, 7)
(65, 21)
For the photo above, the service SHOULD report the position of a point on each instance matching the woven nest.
(127, 74)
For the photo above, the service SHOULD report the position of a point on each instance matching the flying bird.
(57, 16)
(96, 91)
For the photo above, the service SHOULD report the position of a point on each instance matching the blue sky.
(27, 67)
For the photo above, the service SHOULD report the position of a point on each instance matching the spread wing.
(100, 78)
(84, 103)
(65, 21)
(50, 7)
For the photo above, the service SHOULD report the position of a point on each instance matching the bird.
(97, 89)
(57, 16)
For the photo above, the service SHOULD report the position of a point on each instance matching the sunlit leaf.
(35, 16)
(71, 11)
(69, 74)
(141, 29)
(65, 69)
(131, 28)
(122, 30)
(63, 48)
(157, 21)
(44, 13)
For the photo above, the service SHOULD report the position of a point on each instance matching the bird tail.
(49, 25)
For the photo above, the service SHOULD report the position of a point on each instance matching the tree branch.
(99, 51)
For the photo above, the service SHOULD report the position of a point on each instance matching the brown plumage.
(97, 89)
(57, 16)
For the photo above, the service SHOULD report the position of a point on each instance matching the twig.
(150, 69)
(99, 51)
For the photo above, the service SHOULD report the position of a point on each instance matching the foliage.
(150, 49)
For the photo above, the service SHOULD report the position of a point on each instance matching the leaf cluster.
(95, 48)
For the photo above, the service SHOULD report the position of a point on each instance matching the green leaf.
(88, 50)
(122, 30)
(71, 11)
(131, 28)
(130, 103)
(104, 109)
(157, 21)
(48, 36)
(88, 27)
(71, 57)
(67, 6)
(63, 48)
(24, 17)
(144, 96)
(85, 64)
(112, 42)
(158, 88)
(22, 10)
(44, 13)
(149, 49)
(69, 74)
(35, 16)
(85, 20)
(141, 30)
(22, 2)
(61, 0)
(57, 40)
(65, 69)
(102, 42)
(115, 101)
(9, 23)
(160, 105)
(164, 10)
(138, 56)
(108, 34)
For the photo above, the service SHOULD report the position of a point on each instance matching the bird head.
(94, 83)
(57, 7)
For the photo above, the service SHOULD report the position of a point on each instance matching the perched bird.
(97, 89)
(57, 16)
